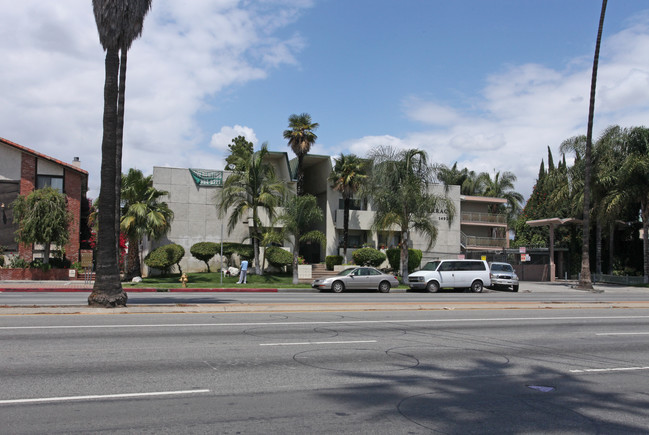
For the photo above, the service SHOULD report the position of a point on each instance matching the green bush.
(2, 260)
(17, 262)
(205, 251)
(164, 257)
(333, 260)
(368, 257)
(60, 263)
(414, 258)
(279, 257)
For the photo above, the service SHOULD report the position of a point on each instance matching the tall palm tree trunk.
(645, 237)
(107, 291)
(119, 140)
(300, 175)
(585, 281)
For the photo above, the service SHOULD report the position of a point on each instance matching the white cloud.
(224, 137)
(51, 80)
(526, 108)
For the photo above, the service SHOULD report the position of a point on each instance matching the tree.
(399, 189)
(585, 280)
(470, 183)
(299, 214)
(42, 217)
(348, 176)
(119, 23)
(240, 152)
(205, 251)
(251, 187)
(502, 186)
(301, 138)
(143, 215)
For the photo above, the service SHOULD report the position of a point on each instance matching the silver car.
(357, 278)
(503, 276)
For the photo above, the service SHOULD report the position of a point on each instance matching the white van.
(473, 274)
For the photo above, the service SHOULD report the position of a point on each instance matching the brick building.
(21, 171)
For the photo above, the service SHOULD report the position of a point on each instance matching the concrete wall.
(195, 215)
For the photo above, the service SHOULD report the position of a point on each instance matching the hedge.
(333, 260)
(368, 257)
(414, 258)
(279, 257)
(164, 257)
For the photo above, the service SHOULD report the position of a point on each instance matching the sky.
(489, 84)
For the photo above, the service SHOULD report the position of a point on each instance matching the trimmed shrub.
(164, 257)
(2, 260)
(368, 257)
(279, 257)
(414, 258)
(205, 251)
(333, 260)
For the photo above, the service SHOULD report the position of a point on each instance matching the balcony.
(472, 242)
(491, 219)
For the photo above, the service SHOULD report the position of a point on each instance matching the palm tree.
(348, 176)
(119, 23)
(143, 215)
(251, 187)
(399, 189)
(470, 183)
(633, 179)
(585, 280)
(299, 214)
(301, 138)
(502, 186)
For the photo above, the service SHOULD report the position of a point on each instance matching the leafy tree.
(42, 217)
(240, 152)
(143, 215)
(119, 23)
(368, 257)
(300, 138)
(205, 251)
(251, 187)
(165, 257)
(348, 176)
(399, 188)
(299, 214)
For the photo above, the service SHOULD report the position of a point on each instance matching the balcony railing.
(489, 242)
(487, 218)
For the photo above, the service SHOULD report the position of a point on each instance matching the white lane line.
(103, 396)
(614, 369)
(324, 322)
(317, 342)
(622, 333)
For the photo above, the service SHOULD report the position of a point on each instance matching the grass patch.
(213, 280)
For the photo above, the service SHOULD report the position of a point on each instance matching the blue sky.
(490, 84)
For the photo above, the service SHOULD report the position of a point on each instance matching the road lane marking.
(102, 396)
(325, 322)
(614, 369)
(622, 333)
(318, 342)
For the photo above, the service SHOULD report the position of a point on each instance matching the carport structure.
(552, 223)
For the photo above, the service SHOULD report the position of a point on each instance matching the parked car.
(503, 276)
(473, 274)
(357, 278)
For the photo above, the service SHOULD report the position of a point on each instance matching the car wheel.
(384, 287)
(338, 287)
(476, 287)
(515, 288)
(432, 287)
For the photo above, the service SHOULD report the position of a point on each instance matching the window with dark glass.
(53, 181)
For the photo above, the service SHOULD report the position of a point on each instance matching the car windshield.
(431, 265)
(346, 271)
(502, 268)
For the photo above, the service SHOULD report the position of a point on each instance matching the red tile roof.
(42, 156)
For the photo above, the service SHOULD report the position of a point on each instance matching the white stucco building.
(193, 195)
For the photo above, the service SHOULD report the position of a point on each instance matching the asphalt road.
(411, 372)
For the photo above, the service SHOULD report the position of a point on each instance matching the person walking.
(244, 272)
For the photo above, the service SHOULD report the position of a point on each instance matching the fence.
(615, 279)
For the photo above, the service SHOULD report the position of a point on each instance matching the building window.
(52, 181)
